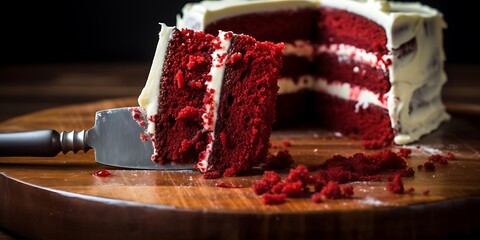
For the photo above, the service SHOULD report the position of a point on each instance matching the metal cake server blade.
(115, 138)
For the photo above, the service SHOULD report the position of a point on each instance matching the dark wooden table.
(28, 88)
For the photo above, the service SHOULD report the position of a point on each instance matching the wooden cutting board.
(60, 198)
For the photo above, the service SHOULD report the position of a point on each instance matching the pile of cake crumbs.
(330, 179)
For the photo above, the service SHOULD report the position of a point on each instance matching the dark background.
(127, 30)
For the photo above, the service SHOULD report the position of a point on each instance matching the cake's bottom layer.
(372, 124)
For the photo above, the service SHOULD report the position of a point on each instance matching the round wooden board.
(60, 198)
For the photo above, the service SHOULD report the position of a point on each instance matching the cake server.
(115, 139)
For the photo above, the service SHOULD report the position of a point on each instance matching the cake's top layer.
(398, 18)
(205, 12)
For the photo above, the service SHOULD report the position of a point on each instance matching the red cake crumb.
(436, 158)
(278, 188)
(223, 184)
(261, 187)
(137, 115)
(101, 173)
(286, 143)
(362, 167)
(317, 198)
(293, 190)
(441, 159)
(347, 191)
(180, 79)
(426, 192)
(409, 172)
(228, 35)
(332, 190)
(404, 152)
(300, 173)
(194, 61)
(282, 160)
(271, 177)
(429, 166)
(143, 137)
(189, 112)
(221, 59)
(396, 184)
(451, 156)
(410, 190)
(273, 199)
(266, 183)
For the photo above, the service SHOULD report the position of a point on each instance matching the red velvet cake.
(210, 99)
(370, 68)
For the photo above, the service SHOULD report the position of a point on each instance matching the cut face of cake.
(370, 68)
(211, 99)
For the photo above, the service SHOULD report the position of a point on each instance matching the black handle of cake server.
(42, 143)
(38, 143)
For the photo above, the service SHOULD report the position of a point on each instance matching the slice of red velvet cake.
(211, 100)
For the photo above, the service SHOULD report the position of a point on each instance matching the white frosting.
(413, 102)
(344, 51)
(216, 71)
(362, 96)
(288, 85)
(148, 98)
(300, 48)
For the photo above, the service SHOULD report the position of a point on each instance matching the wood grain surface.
(60, 198)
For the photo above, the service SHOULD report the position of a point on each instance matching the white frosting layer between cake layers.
(216, 71)
(362, 96)
(346, 91)
(288, 85)
(300, 48)
(344, 51)
(421, 70)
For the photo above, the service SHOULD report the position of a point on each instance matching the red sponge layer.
(329, 67)
(247, 106)
(340, 26)
(372, 124)
(294, 110)
(178, 125)
(278, 26)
